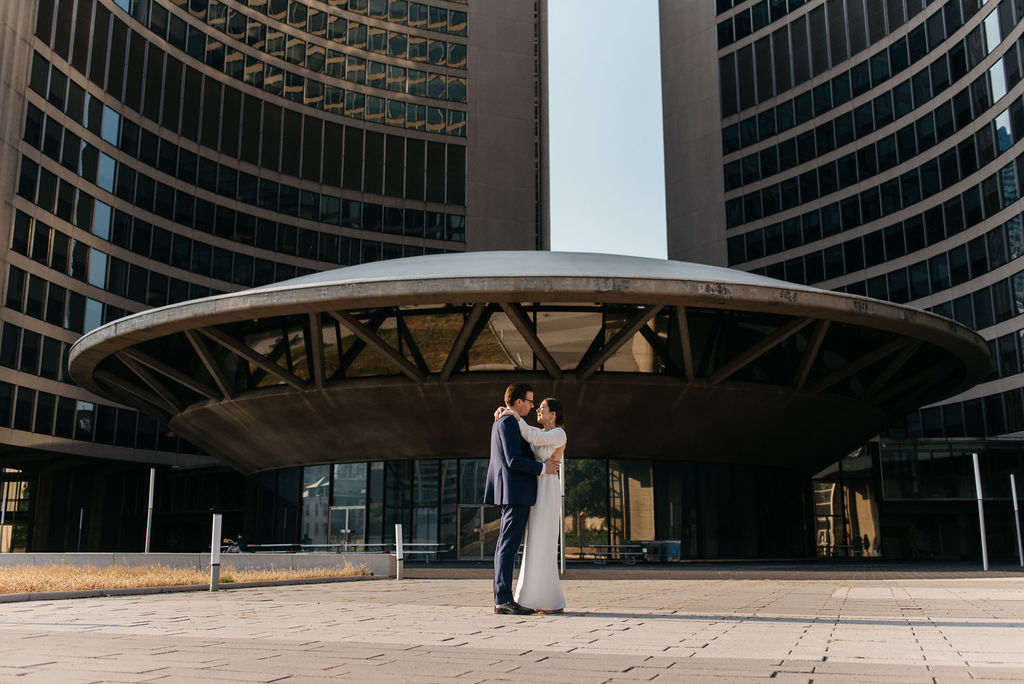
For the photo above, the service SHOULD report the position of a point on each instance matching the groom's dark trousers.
(512, 484)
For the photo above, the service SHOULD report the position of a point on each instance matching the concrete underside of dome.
(608, 417)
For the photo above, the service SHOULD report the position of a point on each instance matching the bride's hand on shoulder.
(501, 411)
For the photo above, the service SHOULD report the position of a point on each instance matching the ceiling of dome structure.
(653, 359)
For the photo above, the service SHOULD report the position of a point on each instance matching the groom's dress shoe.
(512, 608)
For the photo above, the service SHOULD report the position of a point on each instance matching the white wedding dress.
(538, 586)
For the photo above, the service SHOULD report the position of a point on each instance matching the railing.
(425, 551)
(602, 553)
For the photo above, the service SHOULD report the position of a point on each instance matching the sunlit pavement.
(828, 628)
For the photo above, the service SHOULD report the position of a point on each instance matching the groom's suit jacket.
(512, 472)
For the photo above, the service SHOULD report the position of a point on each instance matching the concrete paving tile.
(126, 666)
(874, 678)
(554, 677)
(1016, 673)
(868, 668)
(23, 660)
(436, 671)
(200, 674)
(186, 679)
(59, 677)
(605, 663)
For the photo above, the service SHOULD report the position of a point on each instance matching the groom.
(512, 484)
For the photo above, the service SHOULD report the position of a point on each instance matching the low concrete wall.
(379, 564)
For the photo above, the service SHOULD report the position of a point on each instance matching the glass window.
(883, 110)
(925, 132)
(822, 98)
(886, 150)
(105, 174)
(992, 31)
(97, 269)
(93, 314)
(730, 139)
(825, 138)
(1004, 139)
(844, 129)
(751, 168)
(906, 143)
(986, 144)
(899, 291)
(879, 68)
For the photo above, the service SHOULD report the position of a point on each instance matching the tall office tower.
(871, 147)
(155, 151)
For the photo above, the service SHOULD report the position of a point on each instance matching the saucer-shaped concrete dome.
(408, 358)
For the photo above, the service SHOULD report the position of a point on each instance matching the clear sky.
(604, 122)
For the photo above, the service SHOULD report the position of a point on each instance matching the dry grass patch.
(25, 579)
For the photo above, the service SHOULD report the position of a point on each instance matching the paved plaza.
(744, 628)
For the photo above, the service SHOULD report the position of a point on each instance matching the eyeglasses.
(532, 402)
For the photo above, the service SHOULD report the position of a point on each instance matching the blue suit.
(511, 484)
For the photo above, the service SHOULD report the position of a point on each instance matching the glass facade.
(916, 500)
(892, 499)
(709, 510)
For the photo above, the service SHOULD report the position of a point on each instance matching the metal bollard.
(149, 511)
(1016, 518)
(215, 553)
(399, 552)
(981, 513)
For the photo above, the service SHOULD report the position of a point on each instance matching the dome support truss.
(159, 383)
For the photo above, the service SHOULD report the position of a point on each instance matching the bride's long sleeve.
(537, 437)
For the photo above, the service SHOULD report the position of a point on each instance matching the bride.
(538, 585)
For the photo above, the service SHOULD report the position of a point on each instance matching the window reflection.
(358, 359)
(586, 502)
(993, 36)
(349, 484)
(316, 484)
(432, 337)
(630, 501)
(348, 514)
(636, 355)
(513, 347)
(568, 334)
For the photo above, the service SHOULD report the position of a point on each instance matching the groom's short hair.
(517, 390)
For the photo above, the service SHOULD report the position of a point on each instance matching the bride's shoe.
(541, 611)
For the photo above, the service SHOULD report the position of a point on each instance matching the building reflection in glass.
(846, 508)
(316, 486)
(706, 510)
(15, 500)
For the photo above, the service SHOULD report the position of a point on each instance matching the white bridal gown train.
(538, 586)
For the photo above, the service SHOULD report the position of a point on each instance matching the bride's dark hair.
(555, 406)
